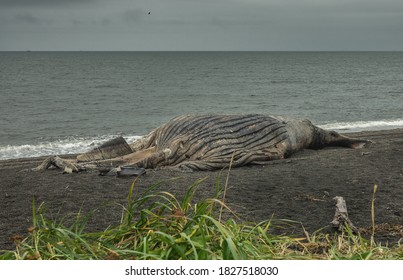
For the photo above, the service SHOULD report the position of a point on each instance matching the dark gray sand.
(300, 189)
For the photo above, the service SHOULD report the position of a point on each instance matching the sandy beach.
(300, 188)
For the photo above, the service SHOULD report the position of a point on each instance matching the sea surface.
(68, 102)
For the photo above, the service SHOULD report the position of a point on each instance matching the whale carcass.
(208, 142)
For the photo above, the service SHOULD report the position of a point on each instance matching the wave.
(68, 145)
(364, 125)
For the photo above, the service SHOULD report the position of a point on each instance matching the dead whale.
(208, 142)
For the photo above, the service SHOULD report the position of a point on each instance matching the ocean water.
(68, 102)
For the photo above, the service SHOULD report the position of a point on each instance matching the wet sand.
(300, 188)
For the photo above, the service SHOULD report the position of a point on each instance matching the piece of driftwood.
(340, 218)
(65, 165)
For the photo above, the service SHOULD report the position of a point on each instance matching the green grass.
(158, 225)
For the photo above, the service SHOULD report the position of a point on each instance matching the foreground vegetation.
(157, 225)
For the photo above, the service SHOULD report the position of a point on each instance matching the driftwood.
(65, 165)
(341, 216)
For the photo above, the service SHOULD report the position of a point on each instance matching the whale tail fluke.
(359, 144)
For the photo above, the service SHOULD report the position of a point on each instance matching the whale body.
(208, 142)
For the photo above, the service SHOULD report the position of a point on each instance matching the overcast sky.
(201, 25)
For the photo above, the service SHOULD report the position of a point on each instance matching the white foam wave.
(364, 125)
(69, 145)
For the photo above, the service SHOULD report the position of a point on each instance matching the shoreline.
(300, 188)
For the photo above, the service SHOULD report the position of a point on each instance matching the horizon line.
(28, 50)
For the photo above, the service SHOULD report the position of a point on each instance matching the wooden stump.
(341, 216)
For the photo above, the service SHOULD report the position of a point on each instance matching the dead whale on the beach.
(208, 142)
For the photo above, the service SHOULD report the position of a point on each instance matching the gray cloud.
(31, 3)
(30, 18)
(202, 25)
(133, 15)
